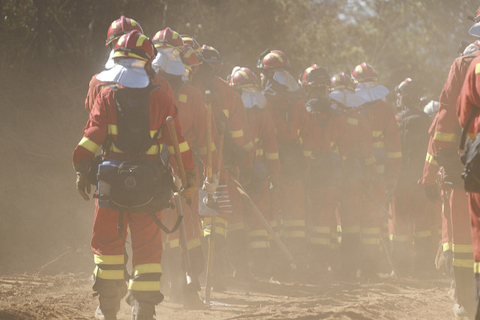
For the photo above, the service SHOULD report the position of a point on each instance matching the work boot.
(143, 311)
(100, 316)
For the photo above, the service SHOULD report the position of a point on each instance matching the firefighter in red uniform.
(358, 172)
(411, 207)
(444, 152)
(329, 146)
(386, 148)
(266, 166)
(172, 61)
(231, 120)
(467, 107)
(132, 53)
(295, 147)
(118, 28)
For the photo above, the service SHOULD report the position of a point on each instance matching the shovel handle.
(176, 148)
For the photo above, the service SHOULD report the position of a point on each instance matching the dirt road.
(69, 297)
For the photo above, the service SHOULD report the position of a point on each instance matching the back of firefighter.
(386, 148)
(110, 226)
(172, 62)
(412, 211)
(329, 144)
(358, 173)
(445, 140)
(266, 167)
(467, 101)
(294, 139)
(237, 155)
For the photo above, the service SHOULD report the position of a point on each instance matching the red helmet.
(364, 73)
(190, 41)
(135, 45)
(314, 76)
(211, 56)
(243, 78)
(342, 81)
(190, 59)
(167, 38)
(273, 59)
(121, 26)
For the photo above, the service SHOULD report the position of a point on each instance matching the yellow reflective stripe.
(320, 241)
(339, 228)
(370, 161)
(376, 134)
(394, 155)
(153, 133)
(271, 156)
(144, 285)
(258, 233)
(298, 132)
(294, 234)
(447, 246)
(294, 223)
(154, 149)
(352, 121)
(431, 159)
(423, 234)
(351, 230)
(447, 137)
(89, 145)
(259, 244)
(401, 238)
(140, 40)
(462, 248)
(259, 152)
(203, 150)
(391, 237)
(112, 129)
(256, 140)
(477, 68)
(194, 243)
(370, 241)
(378, 145)
(321, 229)
(476, 267)
(370, 231)
(307, 153)
(471, 136)
(173, 243)
(226, 112)
(235, 226)
(112, 259)
(147, 268)
(182, 146)
(300, 140)
(236, 133)
(463, 263)
(182, 98)
(109, 274)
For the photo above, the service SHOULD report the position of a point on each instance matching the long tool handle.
(208, 106)
(176, 148)
(178, 200)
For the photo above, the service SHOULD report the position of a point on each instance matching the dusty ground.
(69, 297)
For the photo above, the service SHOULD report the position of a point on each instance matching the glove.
(210, 187)
(83, 183)
(189, 190)
(431, 192)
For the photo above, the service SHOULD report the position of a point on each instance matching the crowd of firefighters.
(339, 174)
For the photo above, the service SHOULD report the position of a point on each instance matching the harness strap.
(162, 226)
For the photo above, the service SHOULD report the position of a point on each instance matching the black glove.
(82, 182)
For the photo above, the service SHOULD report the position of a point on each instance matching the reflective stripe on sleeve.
(182, 98)
(236, 133)
(182, 146)
(477, 68)
(446, 137)
(89, 145)
(431, 159)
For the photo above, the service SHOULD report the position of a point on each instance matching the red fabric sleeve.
(470, 96)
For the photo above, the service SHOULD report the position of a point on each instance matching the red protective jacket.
(385, 136)
(431, 167)
(292, 122)
(447, 129)
(264, 135)
(329, 133)
(470, 97)
(102, 122)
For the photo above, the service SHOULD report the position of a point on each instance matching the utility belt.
(135, 186)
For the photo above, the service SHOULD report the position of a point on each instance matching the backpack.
(471, 158)
(136, 184)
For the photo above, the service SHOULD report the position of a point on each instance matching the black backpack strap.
(162, 226)
(121, 224)
(467, 125)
